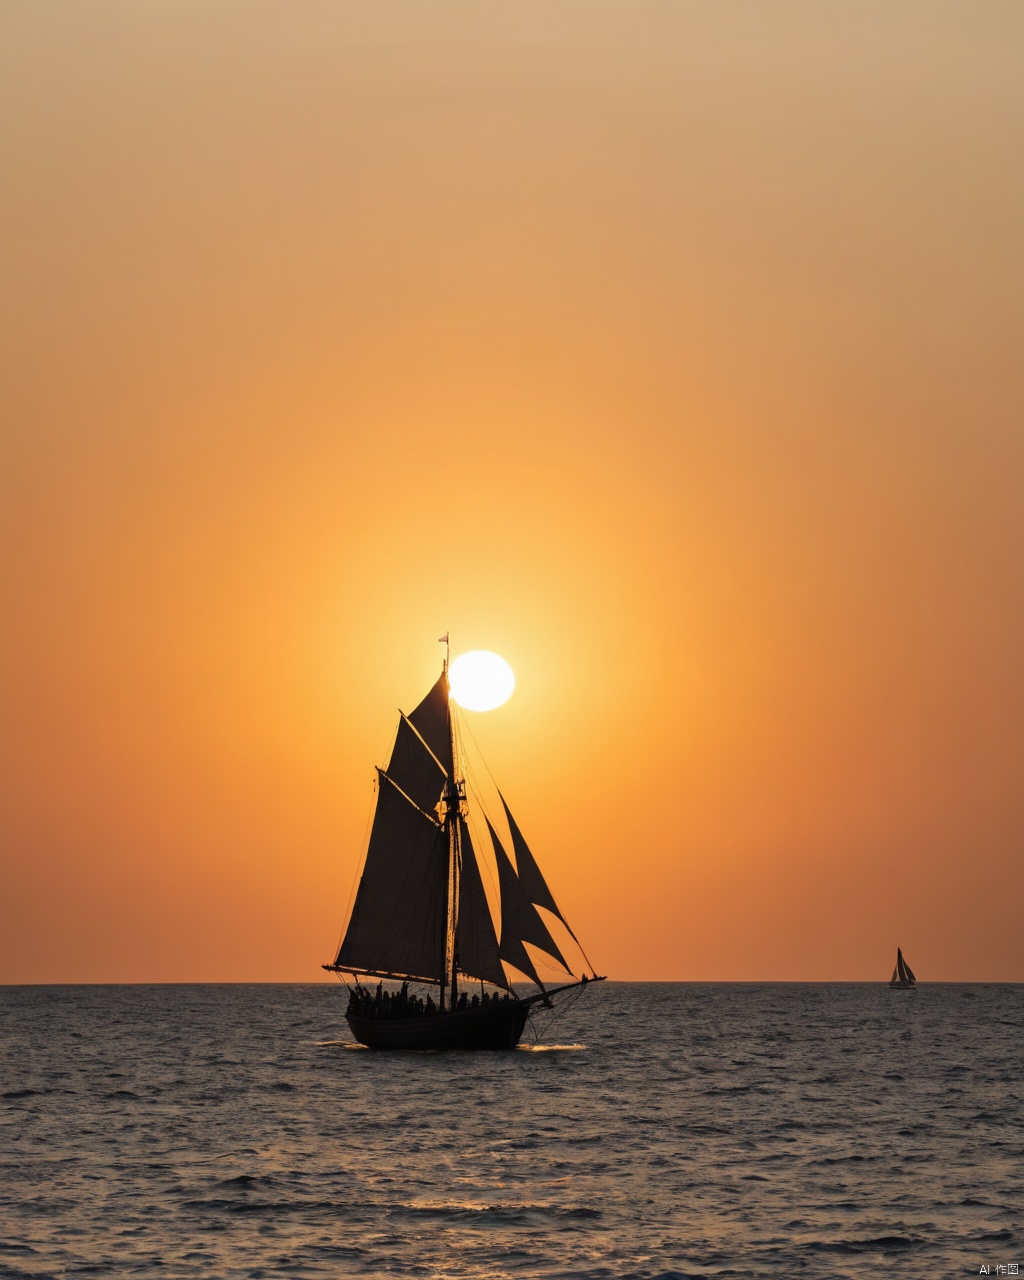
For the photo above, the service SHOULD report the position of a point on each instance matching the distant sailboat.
(421, 914)
(902, 975)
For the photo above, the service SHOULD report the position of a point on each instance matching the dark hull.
(498, 1027)
(897, 985)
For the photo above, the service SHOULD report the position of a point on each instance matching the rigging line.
(557, 1011)
(494, 783)
(479, 799)
(479, 845)
(481, 839)
(483, 761)
(478, 802)
(479, 752)
(342, 979)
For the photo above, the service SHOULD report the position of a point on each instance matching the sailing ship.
(421, 913)
(902, 975)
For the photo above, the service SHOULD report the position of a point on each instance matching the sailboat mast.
(453, 879)
(453, 808)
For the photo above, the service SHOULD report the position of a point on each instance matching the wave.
(874, 1244)
(550, 1048)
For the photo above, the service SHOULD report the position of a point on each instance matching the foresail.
(399, 919)
(901, 965)
(477, 942)
(430, 720)
(516, 954)
(910, 972)
(529, 873)
(520, 921)
(414, 769)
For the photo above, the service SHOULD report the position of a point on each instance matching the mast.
(452, 810)
(455, 870)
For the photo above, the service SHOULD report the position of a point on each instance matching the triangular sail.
(533, 883)
(399, 920)
(895, 974)
(430, 720)
(906, 973)
(413, 768)
(516, 954)
(477, 942)
(520, 921)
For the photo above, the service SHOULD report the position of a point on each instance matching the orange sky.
(670, 350)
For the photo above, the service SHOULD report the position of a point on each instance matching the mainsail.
(399, 916)
(421, 911)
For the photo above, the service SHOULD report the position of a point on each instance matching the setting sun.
(481, 680)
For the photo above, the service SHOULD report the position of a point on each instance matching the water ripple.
(670, 1131)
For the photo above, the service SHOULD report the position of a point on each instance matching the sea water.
(648, 1130)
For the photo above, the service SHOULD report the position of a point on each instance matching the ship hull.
(495, 1028)
(901, 986)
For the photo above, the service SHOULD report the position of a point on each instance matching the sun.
(480, 680)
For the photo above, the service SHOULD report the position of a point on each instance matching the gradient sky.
(671, 350)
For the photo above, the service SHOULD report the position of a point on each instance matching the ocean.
(650, 1131)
